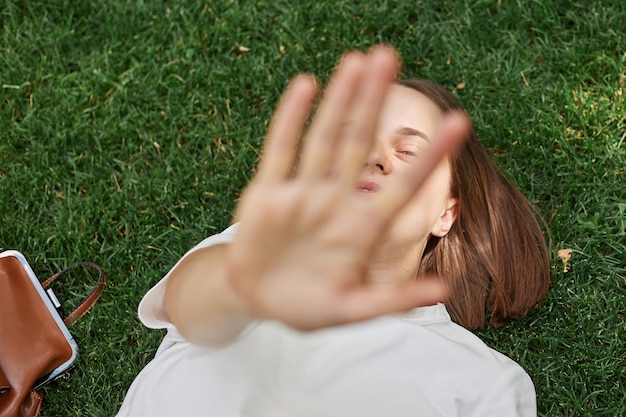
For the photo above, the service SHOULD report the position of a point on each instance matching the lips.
(367, 186)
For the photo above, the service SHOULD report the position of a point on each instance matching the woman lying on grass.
(351, 283)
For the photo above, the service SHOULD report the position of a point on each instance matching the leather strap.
(92, 297)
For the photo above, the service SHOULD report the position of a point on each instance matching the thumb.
(377, 300)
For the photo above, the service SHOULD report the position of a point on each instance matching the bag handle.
(85, 305)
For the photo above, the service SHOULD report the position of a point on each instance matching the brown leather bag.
(35, 345)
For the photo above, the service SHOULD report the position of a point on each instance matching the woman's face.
(408, 122)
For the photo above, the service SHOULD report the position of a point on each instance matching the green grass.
(128, 129)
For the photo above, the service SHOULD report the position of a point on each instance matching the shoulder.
(151, 309)
(513, 394)
(226, 236)
(487, 382)
(464, 348)
(507, 389)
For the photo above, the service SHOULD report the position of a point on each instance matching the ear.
(446, 219)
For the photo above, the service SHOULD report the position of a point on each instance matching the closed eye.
(408, 150)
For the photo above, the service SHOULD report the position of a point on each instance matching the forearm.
(200, 301)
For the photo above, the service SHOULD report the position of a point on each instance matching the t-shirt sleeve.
(513, 396)
(151, 308)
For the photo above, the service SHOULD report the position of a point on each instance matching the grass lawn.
(129, 128)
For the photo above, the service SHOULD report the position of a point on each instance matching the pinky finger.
(452, 133)
(287, 124)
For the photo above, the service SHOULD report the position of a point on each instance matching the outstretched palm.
(302, 248)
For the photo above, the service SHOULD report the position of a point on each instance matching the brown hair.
(494, 258)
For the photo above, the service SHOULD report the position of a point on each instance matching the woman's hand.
(304, 241)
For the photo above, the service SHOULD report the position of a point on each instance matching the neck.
(395, 263)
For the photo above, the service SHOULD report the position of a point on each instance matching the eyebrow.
(409, 131)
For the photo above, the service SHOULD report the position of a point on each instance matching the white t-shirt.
(415, 364)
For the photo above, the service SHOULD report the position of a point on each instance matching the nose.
(378, 160)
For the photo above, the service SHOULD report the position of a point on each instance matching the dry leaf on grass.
(565, 255)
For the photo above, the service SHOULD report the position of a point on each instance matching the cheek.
(428, 204)
(436, 189)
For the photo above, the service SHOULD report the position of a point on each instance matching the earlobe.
(447, 218)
